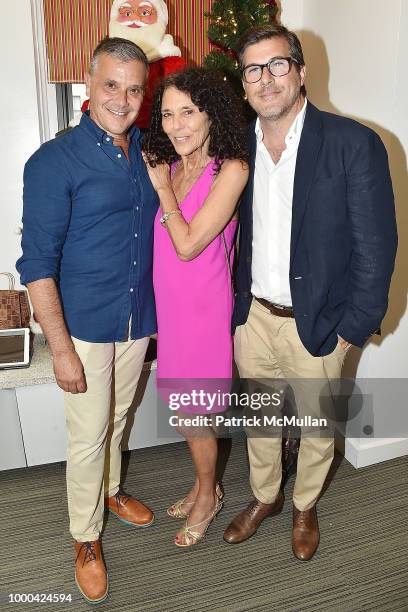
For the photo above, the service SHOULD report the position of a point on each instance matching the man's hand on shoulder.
(69, 371)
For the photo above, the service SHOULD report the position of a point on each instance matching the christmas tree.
(229, 19)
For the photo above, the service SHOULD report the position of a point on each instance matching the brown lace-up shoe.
(90, 571)
(247, 522)
(129, 510)
(305, 533)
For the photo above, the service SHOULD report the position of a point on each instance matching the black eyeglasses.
(277, 67)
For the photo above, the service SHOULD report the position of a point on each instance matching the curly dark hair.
(210, 93)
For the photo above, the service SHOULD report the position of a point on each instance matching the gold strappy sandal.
(191, 536)
(176, 510)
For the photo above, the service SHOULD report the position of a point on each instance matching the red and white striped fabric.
(74, 28)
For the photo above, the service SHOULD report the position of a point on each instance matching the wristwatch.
(164, 218)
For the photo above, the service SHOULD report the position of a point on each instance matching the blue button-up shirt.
(88, 223)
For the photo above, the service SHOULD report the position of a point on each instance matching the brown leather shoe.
(305, 533)
(90, 571)
(247, 522)
(129, 510)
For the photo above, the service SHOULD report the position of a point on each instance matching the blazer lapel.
(308, 152)
(252, 150)
(248, 195)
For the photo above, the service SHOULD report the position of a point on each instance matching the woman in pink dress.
(197, 161)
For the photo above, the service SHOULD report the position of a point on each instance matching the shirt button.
(131, 290)
(135, 235)
(108, 140)
(99, 144)
(137, 208)
(134, 263)
(119, 155)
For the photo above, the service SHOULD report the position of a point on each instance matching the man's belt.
(277, 309)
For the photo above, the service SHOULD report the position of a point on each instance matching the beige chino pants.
(269, 347)
(95, 423)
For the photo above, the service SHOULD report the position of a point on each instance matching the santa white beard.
(151, 38)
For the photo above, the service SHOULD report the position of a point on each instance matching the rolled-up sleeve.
(46, 215)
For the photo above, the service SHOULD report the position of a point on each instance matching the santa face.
(136, 13)
(144, 22)
(115, 91)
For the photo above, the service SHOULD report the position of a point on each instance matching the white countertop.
(40, 371)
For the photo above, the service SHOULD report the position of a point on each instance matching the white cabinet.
(41, 409)
(11, 440)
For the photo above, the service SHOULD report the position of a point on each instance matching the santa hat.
(159, 5)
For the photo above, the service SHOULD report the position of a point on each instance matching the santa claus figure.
(144, 22)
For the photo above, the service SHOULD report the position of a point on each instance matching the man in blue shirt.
(87, 244)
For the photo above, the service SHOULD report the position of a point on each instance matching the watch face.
(165, 217)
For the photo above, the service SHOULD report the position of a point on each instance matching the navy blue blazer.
(343, 237)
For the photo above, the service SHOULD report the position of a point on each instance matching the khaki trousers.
(269, 347)
(95, 422)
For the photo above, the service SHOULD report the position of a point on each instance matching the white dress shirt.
(272, 216)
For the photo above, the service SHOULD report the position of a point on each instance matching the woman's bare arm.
(190, 239)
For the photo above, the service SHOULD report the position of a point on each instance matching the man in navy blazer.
(317, 247)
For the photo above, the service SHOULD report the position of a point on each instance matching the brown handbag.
(14, 306)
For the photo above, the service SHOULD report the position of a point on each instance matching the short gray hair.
(120, 48)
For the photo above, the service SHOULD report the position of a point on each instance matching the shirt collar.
(294, 131)
(95, 131)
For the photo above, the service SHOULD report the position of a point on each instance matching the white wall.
(356, 65)
(19, 117)
(19, 121)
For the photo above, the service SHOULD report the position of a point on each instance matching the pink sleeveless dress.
(194, 300)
